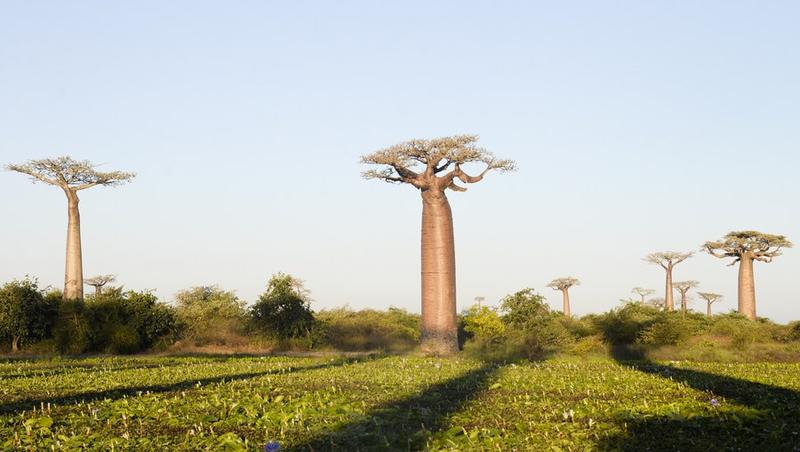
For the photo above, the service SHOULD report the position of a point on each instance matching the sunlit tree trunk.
(708, 309)
(14, 344)
(439, 328)
(73, 273)
(747, 288)
(669, 302)
(565, 292)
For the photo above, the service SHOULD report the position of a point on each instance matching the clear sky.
(637, 127)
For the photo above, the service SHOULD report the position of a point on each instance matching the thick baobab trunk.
(73, 272)
(669, 302)
(683, 304)
(566, 302)
(14, 344)
(747, 288)
(439, 328)
(708, 309)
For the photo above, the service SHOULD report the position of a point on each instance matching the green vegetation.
(173, 403)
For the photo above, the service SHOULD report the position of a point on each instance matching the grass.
(378, 403)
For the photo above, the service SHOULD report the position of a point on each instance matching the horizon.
(246, 144)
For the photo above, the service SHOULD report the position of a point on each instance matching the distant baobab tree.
(99, 281)
(683, 287)
(478, 300)
(642, 292)
(668, 260)
(424, 165)
(563, 284)
(745, 247)
(658, 302)
(710, 298)
(71, 176)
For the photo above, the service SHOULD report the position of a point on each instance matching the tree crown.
(563, 283)
(753, 244)
(100, 280)
(70, 174)
(667, 259)
(642, 292)
(419, 162)
(710, 297)
(684, 286)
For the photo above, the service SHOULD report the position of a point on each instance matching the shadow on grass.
(405, 424)
(772, 422)
(118, 393)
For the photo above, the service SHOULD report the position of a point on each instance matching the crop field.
(378, 403)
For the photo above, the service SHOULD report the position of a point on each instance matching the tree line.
(433, 167)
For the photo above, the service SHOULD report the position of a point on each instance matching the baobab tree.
(657, 303)
(745, 247)
(710, 298)
(71, 176)
(99, 281)
(426, 165)
(683, 287)
(642, 292)
(563, 284)
(668, 260)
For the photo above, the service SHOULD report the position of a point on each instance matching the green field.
(375, 403)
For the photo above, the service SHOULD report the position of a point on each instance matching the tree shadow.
(118, 393)
(404, 424)
(769, 420)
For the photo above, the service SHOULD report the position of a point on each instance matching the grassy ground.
(378, 403)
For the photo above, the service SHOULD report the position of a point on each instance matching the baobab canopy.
(419, 162)
(759, 246)
(70, 174)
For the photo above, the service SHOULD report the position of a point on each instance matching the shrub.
(392, 330)
(484, 323)
(25, 314)
(210, 315)
(124, 340)
(284, 310)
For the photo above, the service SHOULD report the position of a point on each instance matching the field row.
(396, 402)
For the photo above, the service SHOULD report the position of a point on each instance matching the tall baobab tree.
(710, 298)
(99, 281)
(426, 165)
(642, 292)
(683, 287)
(71, 176)
(745, 247)
(563, 284)
(668, 260)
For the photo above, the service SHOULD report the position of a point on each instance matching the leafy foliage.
(25, 314)
(284, 310)
(208, 314)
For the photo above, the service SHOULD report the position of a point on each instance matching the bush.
(284, 310)
(484, 323)
(210, 315)
(124, 340)
(394, 330)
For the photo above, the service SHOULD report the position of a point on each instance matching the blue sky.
(637, 127)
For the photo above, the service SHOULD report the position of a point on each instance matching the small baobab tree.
(658, 303)
(642, 292)
(432, 167)
(563, 284)
(745, 247)
(668, 260)
(99, 281)
(71, 176)
(683, 287)
(710, 298)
